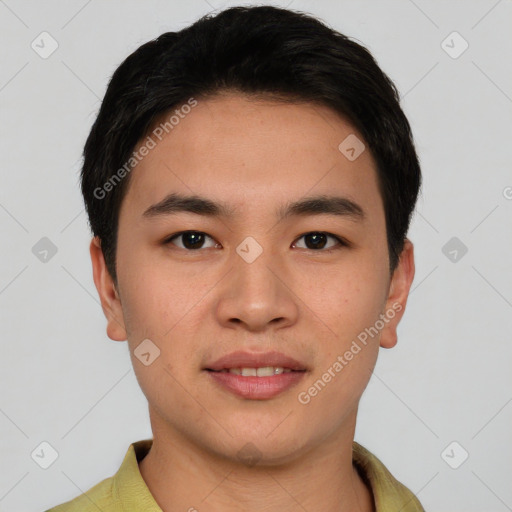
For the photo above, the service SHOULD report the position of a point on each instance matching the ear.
(110, 300)
(399, 287)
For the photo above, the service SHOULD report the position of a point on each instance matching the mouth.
(246, 363)
(256, 376)
(263, 371)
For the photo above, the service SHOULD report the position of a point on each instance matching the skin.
(197, 306)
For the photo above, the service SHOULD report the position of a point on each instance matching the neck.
(181, 476)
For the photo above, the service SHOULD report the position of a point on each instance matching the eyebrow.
(315, 205)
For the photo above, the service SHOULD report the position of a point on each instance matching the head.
(278, 132)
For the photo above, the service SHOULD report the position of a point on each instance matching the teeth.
(267, 371)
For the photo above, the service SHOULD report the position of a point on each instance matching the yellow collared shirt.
(126, 491)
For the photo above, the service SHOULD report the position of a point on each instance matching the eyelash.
(341, 242)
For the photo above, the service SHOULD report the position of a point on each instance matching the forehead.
(249, 152)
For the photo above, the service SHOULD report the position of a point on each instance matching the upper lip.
(242, 359)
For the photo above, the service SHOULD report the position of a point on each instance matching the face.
(254, 280)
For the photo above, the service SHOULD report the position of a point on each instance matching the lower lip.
(256, 388)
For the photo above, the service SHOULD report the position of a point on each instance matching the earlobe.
(109, 297)
(399, 288)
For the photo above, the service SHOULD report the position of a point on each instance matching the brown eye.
(317, 241)
(191, 240)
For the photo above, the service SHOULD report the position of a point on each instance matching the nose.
(257, 296)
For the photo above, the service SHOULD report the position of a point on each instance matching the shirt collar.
(130, 489)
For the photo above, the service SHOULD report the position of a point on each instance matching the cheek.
(346, 299)
(348, 356)
(163, 307)
(349, 308)
(154, 297)
(334, 394)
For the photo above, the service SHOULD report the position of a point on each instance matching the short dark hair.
(264, 51)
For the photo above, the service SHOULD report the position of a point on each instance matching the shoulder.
(389, 494)
(126, 490)
(99, 497)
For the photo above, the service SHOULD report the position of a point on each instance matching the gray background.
(449, 378)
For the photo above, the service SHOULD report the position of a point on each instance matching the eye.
(192, 240)
(316, 241)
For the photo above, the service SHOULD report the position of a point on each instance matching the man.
(249, 183)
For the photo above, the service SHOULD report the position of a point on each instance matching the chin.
(258, 449)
